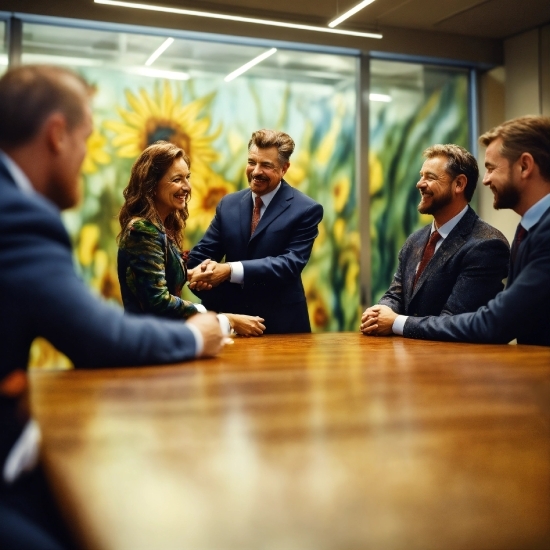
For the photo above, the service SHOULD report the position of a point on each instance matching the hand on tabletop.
(377, 321)
(212, 336)
(246, 325)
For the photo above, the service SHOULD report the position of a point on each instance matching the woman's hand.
(246, 325)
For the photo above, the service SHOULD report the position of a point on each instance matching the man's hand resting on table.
(377, 321)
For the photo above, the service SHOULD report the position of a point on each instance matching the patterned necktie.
(521, 232)
(427, 256)
(256, 214)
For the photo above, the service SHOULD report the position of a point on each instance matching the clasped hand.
(208, 275)
(377, 321)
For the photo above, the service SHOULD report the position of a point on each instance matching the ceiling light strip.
(249, 65)
(160, 50)
(350, 12)
(237, 18)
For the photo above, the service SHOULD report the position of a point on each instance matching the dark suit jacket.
(41, 295)
(273, 258)
(465, 273)
(520, 311)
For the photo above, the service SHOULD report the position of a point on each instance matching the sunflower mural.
(212, 122)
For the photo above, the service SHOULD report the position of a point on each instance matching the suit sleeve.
(288, 265)
(509, 314)
(393, 297)
(483, 269)
(144, 246)
(61, 308)
(211, 245)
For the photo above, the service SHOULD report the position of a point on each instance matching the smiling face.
(173, 189)
(499, 176)
(264, 171)
(435, 186)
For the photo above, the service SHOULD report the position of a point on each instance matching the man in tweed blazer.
(471, 257)
(517, 162)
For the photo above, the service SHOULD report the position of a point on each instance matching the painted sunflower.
(205, 197)
(163, 115)
(95, 154)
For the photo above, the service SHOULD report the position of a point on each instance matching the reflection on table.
(325, 441)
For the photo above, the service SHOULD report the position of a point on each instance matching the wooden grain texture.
(306, 442)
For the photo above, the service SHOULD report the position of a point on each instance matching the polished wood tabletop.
(324, 441)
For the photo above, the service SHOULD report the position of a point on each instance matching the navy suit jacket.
(520, 311)
(464, 274)
(273, 258)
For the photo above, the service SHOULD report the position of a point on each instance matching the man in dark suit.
(517, 162)
(266, 234)
(45, 120)
(470, 258)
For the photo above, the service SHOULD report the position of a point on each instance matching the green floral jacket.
(152, 272)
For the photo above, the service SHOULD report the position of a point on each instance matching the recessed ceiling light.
(237, 18)
(350, 12)
(249, 65)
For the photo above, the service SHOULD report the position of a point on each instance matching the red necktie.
(256, 214)
(427, 256)
(520, 235)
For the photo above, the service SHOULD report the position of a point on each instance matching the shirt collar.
(534, 214)
(266, 199)
(447, 227)
(19, 177)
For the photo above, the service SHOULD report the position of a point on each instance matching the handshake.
(208, 275)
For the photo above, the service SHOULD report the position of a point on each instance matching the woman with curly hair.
(152, 268)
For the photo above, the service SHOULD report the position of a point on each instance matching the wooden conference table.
(326, 441)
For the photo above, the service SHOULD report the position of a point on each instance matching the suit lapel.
(454, 241)
(279, 203)
(415, 258)
(245, 214)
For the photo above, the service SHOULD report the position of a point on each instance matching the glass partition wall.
(412, 107)
(182, 96)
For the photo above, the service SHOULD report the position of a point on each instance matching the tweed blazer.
(466, 271)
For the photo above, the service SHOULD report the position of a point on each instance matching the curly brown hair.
(146, 173)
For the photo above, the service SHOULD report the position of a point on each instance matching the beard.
(506, 197)
(436, 204)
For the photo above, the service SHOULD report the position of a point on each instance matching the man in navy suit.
(266, 234)
(471, 257)
(517, 162)
(45, 120)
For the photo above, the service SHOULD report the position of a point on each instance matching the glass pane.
(411, 107)
(309, 95)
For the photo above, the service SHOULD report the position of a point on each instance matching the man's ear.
(285, 167)
(55, 129)
(460, 183)
(527, 164)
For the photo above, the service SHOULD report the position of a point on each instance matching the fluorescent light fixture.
(249, 65)
(240, 19)
(40, 58)
(380, 97)
(158, 73)
(160, 50)
(350, 12)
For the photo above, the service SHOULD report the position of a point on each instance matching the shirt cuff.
(225, 325)
(200, 308)
(399, 324)
(199, 342)
(237, 272)
(24, 454)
